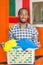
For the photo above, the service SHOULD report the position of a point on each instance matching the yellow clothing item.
(9, 44)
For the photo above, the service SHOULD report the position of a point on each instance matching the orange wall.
(3, 20)
(3, 26)
(4, 30)
(40, 50)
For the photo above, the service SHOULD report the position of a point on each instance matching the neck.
(23, 25)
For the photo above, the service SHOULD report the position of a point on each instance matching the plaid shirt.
(30, 32)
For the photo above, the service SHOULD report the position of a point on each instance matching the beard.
(23, 21)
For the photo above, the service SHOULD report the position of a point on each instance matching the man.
(23, 29)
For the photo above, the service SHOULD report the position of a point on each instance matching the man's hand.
(38, 44)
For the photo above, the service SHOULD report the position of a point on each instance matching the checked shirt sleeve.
(35, 36)
(10, 34)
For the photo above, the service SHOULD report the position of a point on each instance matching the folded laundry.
(25, 43)
(9, 44)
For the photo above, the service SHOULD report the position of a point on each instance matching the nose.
(23, 16)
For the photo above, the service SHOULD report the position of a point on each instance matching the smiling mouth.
(23, 19)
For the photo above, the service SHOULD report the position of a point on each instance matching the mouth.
(24, 19)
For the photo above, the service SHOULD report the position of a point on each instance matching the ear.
(18, 15)
(28, 16)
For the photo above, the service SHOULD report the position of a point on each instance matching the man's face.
(23, 16)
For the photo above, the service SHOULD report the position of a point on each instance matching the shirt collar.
(25, 27)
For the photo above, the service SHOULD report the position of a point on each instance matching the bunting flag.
(14, 6)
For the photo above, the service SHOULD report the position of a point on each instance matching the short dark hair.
(23, 9)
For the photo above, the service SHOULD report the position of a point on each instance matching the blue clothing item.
(26, 43)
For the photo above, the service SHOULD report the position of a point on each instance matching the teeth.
(23, 19)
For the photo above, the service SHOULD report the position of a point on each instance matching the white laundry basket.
(18, 56)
